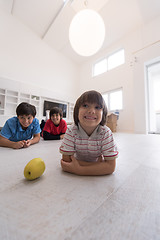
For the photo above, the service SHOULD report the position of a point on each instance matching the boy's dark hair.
(25, 109)
(56, 110)
(90, 97)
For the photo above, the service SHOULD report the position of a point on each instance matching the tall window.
(108, 63)
(114, 99)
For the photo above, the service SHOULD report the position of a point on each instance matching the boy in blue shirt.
(23, 130)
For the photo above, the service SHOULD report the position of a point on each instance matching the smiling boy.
(23, 130)
(55, 127)
(88, 147)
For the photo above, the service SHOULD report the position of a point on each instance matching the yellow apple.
(34, 169)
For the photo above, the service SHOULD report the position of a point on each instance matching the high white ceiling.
(50, 19)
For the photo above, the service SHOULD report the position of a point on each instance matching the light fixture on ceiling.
(86, 32)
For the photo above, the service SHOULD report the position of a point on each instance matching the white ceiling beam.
(13, 2)
(55, 17)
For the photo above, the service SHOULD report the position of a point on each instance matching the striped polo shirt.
(89, 148)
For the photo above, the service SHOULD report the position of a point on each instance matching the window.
(105, 96)
(108, 63)
(100, 67)
(116, 59)
(114, 99)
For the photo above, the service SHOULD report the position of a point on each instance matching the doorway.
(153, 90)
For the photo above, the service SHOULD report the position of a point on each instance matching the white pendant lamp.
(87, 32)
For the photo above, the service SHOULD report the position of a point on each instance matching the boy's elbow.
(112, 166)
(37, 138)
(112, 170)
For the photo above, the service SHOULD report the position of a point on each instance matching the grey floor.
(59, 206)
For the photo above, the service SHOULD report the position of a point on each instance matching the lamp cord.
(86, 3)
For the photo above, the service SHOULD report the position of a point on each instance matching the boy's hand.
(72, 167)
(18, 145)
(62, 136)
(100, 159)
(27, 143)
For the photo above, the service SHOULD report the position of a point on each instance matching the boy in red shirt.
(55, 127)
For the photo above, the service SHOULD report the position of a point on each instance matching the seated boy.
(55, 127)
(23, 130)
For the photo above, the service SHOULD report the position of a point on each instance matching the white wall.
(25, 58)
(144, 58)
(150, 50)
(129, 76)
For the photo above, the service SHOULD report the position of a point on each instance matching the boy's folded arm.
(88, 168)
(36, 138)
(99, 168)
(4, 142)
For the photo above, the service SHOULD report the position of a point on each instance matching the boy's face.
(56, 118)
(25, 120)
(90, 115)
